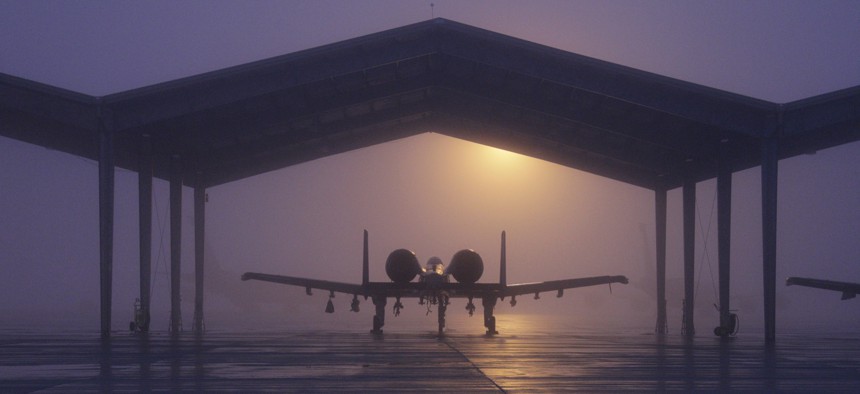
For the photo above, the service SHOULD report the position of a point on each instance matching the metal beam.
(614, 118)
(829, 111)
(106, 212)
(175, 243)
(48, 103)
(660, 231)
(724, 235)
(273, 116)
(769, 166)
(689, 192)
(199, 232)
(510, 136)
(697, 103)
(334, 138)
(228, 86)
(144, 187)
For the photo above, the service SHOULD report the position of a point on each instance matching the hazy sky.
(429, 193)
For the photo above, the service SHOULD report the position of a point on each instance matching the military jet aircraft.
(849, 290)
(434, 285)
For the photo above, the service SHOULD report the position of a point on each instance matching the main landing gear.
(379, 317)
(489, 320)
(441, 301)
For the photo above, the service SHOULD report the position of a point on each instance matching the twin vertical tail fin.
(503, 277)
(365, 267)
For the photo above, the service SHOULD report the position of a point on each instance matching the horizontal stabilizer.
(848, 289)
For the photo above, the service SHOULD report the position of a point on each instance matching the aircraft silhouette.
(433, 286)
(849, 290)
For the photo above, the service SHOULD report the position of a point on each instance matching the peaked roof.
(439, 76)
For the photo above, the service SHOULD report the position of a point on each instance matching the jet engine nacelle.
(402, 266)
(466, 266)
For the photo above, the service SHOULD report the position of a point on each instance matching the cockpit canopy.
(434, 266)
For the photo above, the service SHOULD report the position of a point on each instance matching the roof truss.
(440, 76)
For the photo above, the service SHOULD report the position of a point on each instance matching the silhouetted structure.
(434, 286)
(441, 76)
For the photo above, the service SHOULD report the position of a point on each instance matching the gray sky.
(307, 220)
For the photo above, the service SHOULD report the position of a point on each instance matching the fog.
(430, 193)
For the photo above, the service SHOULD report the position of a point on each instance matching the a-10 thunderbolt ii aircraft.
(434, 286)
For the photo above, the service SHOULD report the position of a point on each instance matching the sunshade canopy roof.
(435, 76)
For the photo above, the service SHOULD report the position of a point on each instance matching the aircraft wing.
(417, 289)
(383, 289)
(559, 285)
(307, 283)
(848, 289)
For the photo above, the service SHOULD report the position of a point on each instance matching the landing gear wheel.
(491, 326)
(377, 328)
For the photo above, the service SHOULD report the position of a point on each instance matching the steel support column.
(199, 232)
(689, 192)
(660, 231)
(724, 235)
(106, 212)
(175, 243)
(144, 188)
(769, 165)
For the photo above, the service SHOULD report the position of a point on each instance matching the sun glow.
(505, 165)
(501, 156)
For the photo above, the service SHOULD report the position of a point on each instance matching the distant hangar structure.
(442, 76)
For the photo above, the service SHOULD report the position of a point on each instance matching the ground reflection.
(531, 354)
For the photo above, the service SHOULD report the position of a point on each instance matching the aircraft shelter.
(442, 76)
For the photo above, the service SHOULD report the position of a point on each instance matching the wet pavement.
(400, 362)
